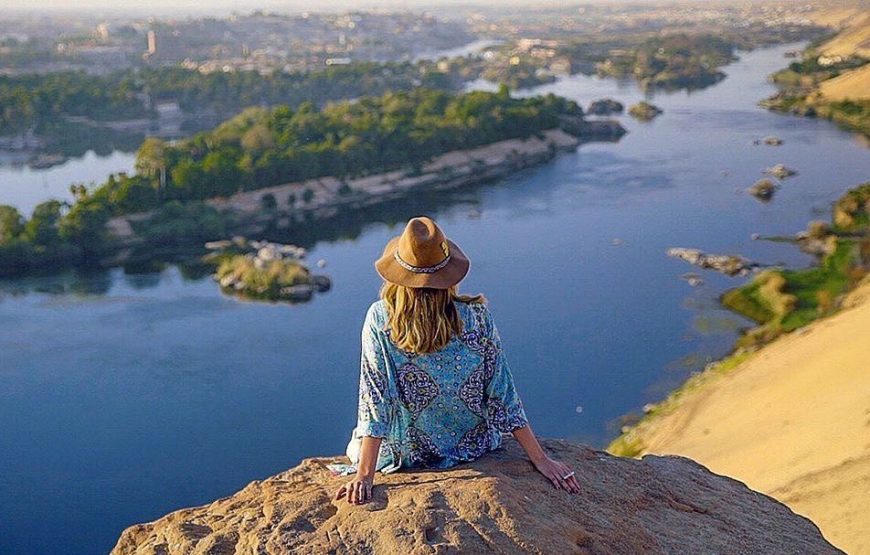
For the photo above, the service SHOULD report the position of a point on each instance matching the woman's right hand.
(357, 491)
(560, 474)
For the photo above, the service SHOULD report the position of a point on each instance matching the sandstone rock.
(763, 189)
(321, 282)
(726, 263)
(592, 129)
(692, 279)
(269, 252)
(302, 292)
(218, 245)
(498, 504)
(780, 171)
(644, 111)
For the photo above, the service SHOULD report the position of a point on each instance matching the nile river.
(125, 396)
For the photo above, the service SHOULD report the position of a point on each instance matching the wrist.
(538, 458)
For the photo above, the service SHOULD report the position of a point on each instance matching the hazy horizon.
(285, 6)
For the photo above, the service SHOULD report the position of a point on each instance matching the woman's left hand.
(357, 491)
(560, 474)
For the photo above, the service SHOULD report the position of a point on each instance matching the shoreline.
(328, 197)
(789, 420)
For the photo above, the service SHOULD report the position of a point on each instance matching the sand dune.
(793, 421)
(853, 85)
(854, 40)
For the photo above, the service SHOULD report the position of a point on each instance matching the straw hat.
(422, 257)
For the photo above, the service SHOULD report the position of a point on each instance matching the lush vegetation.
(262, 147)
(52, 237)
(269, 281)
(784, 300)
(779, 301)
(799, 92)
(673, 61)
(27, 100)
(36, 100)
(644, 111)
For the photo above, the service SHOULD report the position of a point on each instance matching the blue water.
(25, 187)
(123, 397)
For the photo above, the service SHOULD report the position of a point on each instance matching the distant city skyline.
(246, 6)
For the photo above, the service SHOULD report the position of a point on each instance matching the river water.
(125, 396)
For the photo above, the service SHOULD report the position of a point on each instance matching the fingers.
(574, 484)
(356, 492)
(554, 479)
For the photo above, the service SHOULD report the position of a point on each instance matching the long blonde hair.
(422, 319)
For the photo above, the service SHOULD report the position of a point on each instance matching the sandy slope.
(853, 40)
(853, 85)
(793, 421)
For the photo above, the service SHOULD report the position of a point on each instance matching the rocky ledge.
(496, 504)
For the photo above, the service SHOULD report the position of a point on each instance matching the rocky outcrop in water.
(498, 504)
(605, 107)
(726, 263)
(262, 270)
(763, 189)
(644, 111)
(780, 171)
(589, 130)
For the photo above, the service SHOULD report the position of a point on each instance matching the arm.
(359, 490)
(374, 414)
(506, 413)
(551, 469)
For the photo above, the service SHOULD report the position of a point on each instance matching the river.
(125, 396)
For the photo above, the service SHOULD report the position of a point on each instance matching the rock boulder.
(498, 504)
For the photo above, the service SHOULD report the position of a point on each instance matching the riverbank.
(790, 420)
(832, 79)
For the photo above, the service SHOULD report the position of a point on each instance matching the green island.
(781, 301)
(673, 61)
(644, 111)
(172, 192)
(264, 271)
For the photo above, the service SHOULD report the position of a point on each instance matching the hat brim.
(446, 277)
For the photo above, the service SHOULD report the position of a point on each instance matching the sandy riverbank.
(792, 421)
(323, 198)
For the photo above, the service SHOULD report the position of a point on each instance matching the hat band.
(420, 269)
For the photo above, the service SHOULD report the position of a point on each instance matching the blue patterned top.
(436, 409)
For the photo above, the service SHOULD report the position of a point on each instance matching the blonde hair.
(422, 319)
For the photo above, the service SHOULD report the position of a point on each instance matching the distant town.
(270, 42)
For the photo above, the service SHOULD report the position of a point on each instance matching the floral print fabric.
(436, 409)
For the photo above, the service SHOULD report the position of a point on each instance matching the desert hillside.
(792, 421)
(852, 85)
(853, 40)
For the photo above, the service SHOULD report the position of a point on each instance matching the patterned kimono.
(438, 409)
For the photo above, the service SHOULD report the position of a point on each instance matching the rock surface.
(496, 504)
(728, 264)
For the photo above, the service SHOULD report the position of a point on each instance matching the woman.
(435, 388)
